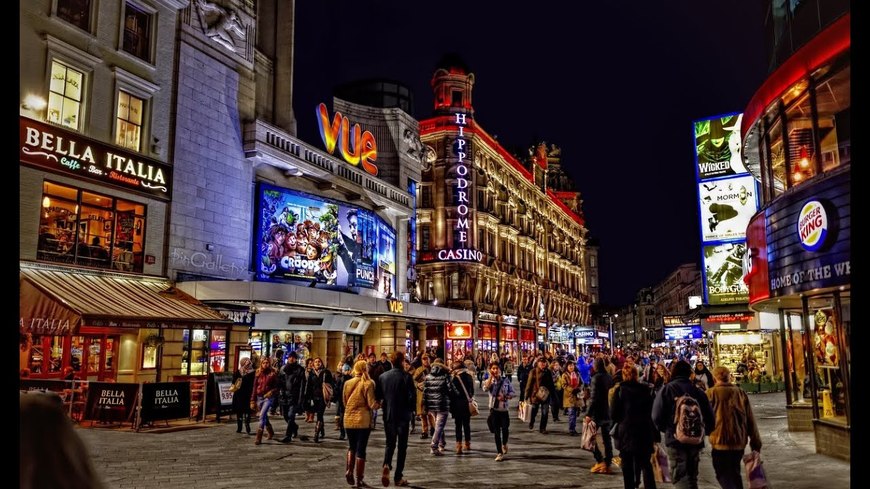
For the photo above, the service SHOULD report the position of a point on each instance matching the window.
(454, 285)
(593, 281)
(129, 122)
(592, 261)
(76, 12)
(195, 352)
(65, 95)
(424, 237)
(456, 98)
(426, 197)
(137, 32)
(88, 229)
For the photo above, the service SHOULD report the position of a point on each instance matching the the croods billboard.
(322, 243)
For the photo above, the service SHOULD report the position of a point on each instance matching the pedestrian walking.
(436, 397)
(571, 388)
(556, 400)
(540, 378)
(735, 424)
(500, 392)
(428, 423)
(359, 404)
(599, 411)
(682, 412)
(244, 377)
(291, 379)
(461, 393)
(396, 394)
(631, 412)
(263, 395)
(343, 376)
(319, 387)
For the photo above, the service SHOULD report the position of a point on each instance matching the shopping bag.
(525, 413)
(660, 465)
(755, 471)
(588, 440)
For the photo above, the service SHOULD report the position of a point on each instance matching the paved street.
(216, 457)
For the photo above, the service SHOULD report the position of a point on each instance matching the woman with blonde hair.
(263, 396)
(359, 403)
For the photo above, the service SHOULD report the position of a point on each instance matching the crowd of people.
(634, 401)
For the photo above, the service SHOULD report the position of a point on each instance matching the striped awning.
(59, 299)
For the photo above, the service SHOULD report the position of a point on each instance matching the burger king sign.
(813, 225)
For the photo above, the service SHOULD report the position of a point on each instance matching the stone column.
(334, 349)
(318, 347)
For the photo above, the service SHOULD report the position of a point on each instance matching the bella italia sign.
(61, 151)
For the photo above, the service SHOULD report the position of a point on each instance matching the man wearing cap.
(291, 380)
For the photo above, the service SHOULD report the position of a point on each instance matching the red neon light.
(818, 51)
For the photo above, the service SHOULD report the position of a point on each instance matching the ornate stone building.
(492, 236)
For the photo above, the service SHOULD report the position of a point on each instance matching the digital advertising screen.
(717, 147)
(683, 333)
(319, 242)
(727, 205)
(723, 273)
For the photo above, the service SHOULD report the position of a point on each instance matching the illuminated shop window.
(129, 120)
(833, 103)
(65, 95)
(89, 229)
(76, 12)
(137, 32)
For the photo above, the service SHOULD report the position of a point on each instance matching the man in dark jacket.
(684, 457)
(291, 380)
(599, 411)
(523, 371)
(539, 377)
(436, 398)
(397, 395)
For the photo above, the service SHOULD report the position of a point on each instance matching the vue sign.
(357, 147)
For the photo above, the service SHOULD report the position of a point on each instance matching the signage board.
(726, 206)
(458, 331)
(356, 146)
(683, 333)
(165, 400)
(322, 243)
(111, 401)
(718, 146)
(723, 273)
(58, 150)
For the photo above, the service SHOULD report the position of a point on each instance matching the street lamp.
(611, 329)
(634, 321)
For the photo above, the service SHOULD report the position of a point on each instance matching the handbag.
(590, 433)
(660, 465)
(755, 471)
(542, 394)
(473, 408)
(525, 411)
(236, 385)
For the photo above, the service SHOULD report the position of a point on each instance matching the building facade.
(304, 244)
(491, 237)
(96, 187)
(797, 143)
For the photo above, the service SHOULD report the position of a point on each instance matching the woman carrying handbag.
(461, 396)
(359, 403)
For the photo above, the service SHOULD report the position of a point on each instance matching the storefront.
(510, 342)
(541, 337)
(797, 137)
(486, 342)
(557, 338)
(114, 327)
(458, 341)
(527, 336)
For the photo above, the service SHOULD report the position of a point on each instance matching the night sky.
(615, 84)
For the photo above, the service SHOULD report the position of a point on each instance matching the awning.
(56, 300)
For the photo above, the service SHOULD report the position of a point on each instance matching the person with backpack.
(683, 413)
(735, 424)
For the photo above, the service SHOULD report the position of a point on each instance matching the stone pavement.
(216, 457)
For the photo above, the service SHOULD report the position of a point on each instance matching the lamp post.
(634, 321)
(611, 329)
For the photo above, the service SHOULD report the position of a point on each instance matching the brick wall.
(833, 440)
(212, 199)
(800, 418)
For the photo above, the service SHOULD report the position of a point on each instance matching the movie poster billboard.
(717, 147)
(320, 242)
(723, 273)
(727, 205)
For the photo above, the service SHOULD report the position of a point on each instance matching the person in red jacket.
(263, 396)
